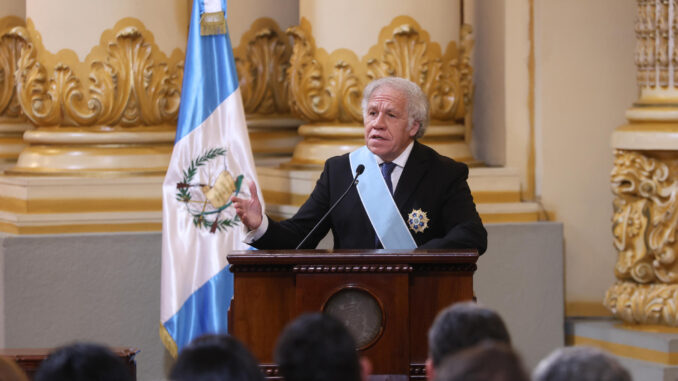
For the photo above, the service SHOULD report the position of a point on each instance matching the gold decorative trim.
(496, 218)
(45, 206)
(623, 350)
(262, 59)
(81, 228)
(130, 82)
(650, 328)
(587, 309)
(328, 87)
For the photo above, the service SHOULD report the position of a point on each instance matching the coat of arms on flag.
(206, 189)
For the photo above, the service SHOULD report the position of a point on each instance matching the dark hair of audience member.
(461, 326)
(317, 347)
(10, 371)
(581, 364)
(83, 362)
(213, 358)
(487, 361)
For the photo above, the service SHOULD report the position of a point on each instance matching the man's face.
(386, 130)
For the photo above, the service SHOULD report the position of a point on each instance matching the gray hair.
(417, 103)
(462, 326)
(581, 364)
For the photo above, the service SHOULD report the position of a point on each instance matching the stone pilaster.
(645, 177)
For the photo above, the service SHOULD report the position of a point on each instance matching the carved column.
(12, 122)
(645, 177)
(331, 64)
(104, 108)
(101, 83)
(262, 57)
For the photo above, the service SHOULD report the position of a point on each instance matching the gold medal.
(417, 220)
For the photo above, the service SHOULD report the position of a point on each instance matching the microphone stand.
(358, 172)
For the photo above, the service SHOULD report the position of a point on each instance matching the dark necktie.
(386, 170)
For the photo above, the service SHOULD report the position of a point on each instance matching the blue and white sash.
(379, 204)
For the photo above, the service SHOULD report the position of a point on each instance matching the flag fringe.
(168, 341)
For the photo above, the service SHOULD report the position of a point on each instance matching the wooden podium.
(388, 298)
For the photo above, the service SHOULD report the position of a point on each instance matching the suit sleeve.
(289, 233)
(463, 226)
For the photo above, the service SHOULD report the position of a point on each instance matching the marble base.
(649, 352)
(62, 204)
(105, 288)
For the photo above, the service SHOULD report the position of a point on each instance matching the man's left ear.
(415, 128)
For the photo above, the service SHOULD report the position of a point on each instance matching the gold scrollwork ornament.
(12, 43)
(262, 61)
(311, 97)
(126, 87)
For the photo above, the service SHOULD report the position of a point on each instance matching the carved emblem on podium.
(360, 312)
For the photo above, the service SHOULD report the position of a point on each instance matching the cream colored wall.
(13, 8)
(241, 14)
(501, 135)
(516, 104)
(77, 24)
(585, 80)
(361, 21)
(489, 60)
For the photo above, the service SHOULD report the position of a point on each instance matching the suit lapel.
(414, 171)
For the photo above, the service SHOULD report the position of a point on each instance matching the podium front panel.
(389, 350)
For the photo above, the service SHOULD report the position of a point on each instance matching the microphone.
(358, 171)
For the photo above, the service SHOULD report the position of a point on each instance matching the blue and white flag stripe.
(196, 284)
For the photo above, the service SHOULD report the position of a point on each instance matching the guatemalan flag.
(211, 161)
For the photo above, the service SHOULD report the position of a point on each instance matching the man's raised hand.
(249, 209)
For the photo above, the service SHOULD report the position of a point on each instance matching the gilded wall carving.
(327, 87)
(125, 81)
(644, 230)
(12, 41)
(262, 59)
(312, 96)
(644, 304)
(645, 217)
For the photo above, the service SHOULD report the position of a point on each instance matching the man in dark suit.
(430, 191)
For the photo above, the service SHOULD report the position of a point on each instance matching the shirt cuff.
(257, 233)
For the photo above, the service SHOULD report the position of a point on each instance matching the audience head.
(487, 361)
(581, 364)
(10, 371)
(461, 326)
(318, 347)
(215, 357)
(83, 362)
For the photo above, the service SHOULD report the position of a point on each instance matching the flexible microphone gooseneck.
(358, 171)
